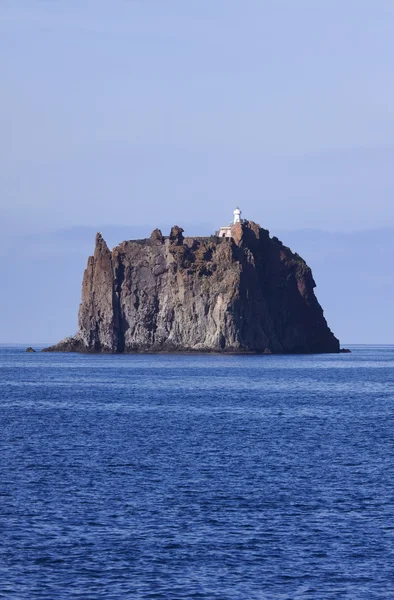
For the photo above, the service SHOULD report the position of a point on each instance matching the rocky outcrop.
(245, 294)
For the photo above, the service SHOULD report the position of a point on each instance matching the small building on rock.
(226, 230)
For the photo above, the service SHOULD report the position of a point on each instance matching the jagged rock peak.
(156, 235)
(246, 293)
(176, 235)
(101, 244)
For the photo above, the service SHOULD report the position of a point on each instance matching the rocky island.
(237, 291)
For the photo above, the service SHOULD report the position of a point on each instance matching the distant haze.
(353, 273)
(123, 116)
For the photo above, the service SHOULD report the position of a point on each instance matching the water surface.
(201, 477)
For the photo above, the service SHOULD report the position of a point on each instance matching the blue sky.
(149, 112)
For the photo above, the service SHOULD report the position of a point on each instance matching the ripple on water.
(212, 477)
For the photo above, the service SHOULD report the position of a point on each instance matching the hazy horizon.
(156, 113)
(349, 270)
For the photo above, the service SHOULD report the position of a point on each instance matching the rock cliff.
(245, 294)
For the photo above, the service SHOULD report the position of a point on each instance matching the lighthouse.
(226, 230)
(237, 215)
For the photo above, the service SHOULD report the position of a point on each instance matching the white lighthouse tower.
(237, 215)
(226, 230)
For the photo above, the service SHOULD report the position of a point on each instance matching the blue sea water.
(197, 477)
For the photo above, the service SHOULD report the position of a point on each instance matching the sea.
(197, 476)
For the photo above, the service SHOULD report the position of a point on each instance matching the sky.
(145, 113)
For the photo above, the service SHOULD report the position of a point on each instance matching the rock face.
(245, 294)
